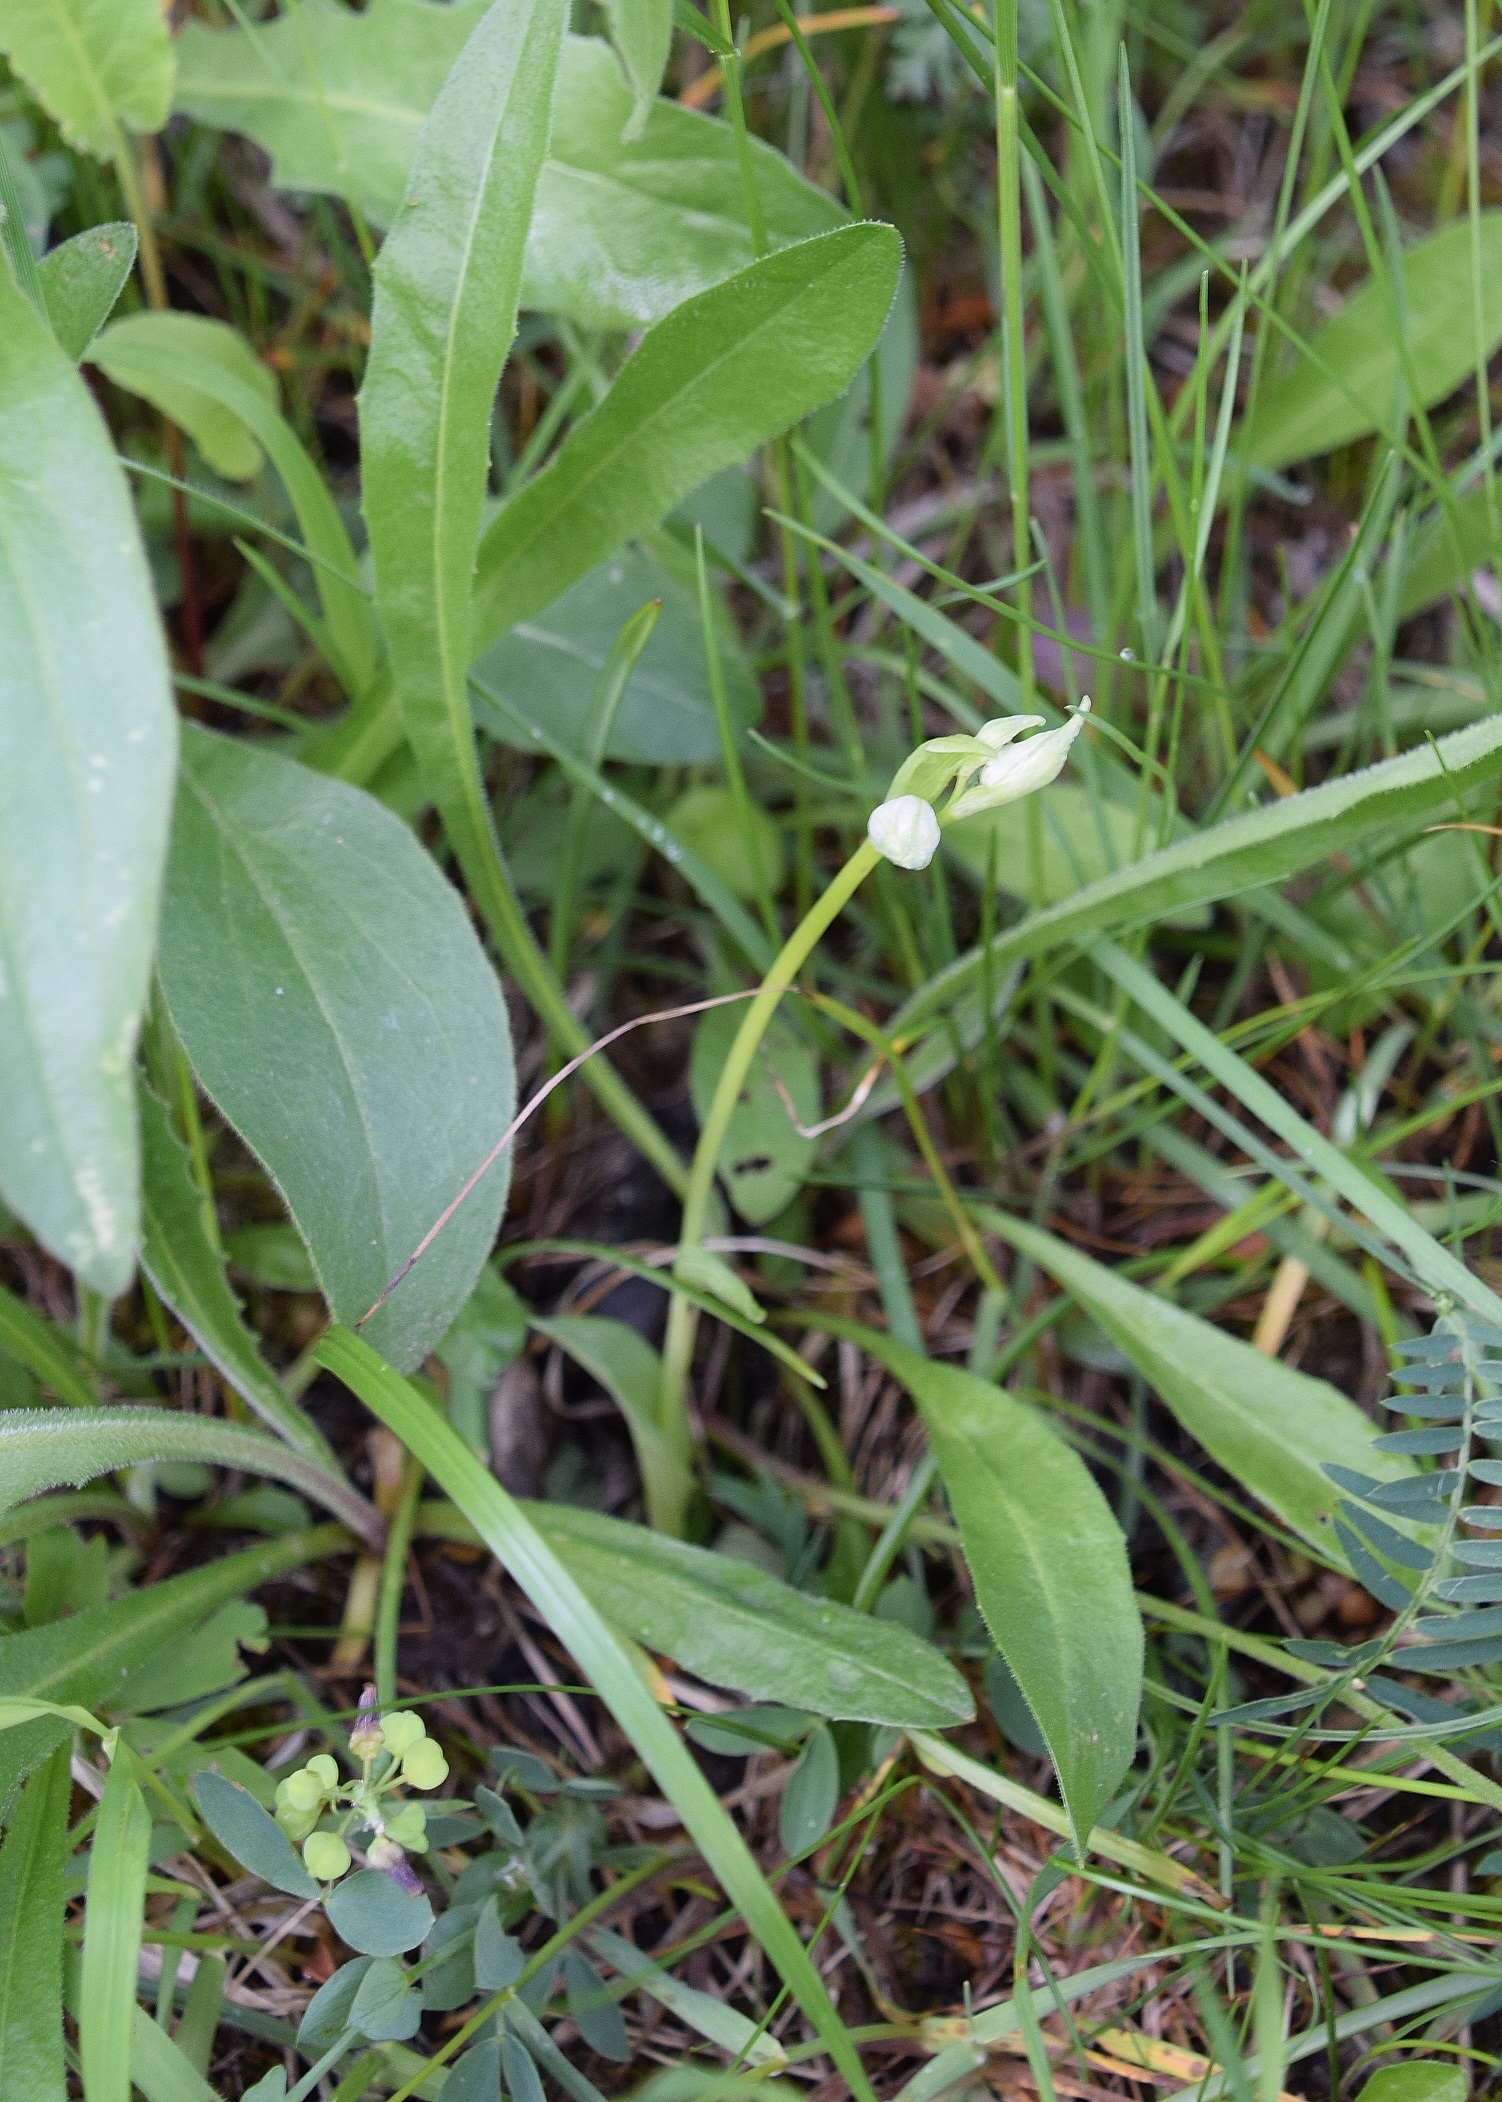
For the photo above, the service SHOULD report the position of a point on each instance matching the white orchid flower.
(985, 771)
(1021, 769)
(905, 830)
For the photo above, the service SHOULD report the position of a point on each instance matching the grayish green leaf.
(153, 354)
(256, 1841)
(630, 1371)
(1312, 410)
(642, 33)
(387, 2009)
(87, 749)
(373, 1916)
(336, 1004)
(623, 230)
(546, 667)
(81, 279)
(812, 1794)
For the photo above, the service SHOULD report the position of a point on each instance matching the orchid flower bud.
(905, 831)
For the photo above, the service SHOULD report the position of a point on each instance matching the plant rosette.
(394, 1752)
(982, 772)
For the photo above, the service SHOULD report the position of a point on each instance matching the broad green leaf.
(43, 1448)
(642, 33)
(1416, 2080)
(87, 749)
(1312, 410)
(93, 65)
(515, 1540)
(737, 1626)
(31, 1936)
(765, 1156)
(372, 1915)
(153, 354)
(255, 1840)
(623, 230)
(1049, 1566)
(334, 1001)
(188, 1273)
(444, 313)
(724, 372)
(112, 1933)
(630, 1371)
(546, 668)
(1271, 1428)
(1369, 808)
(595, 2013)
(171, 363)
(81, 279)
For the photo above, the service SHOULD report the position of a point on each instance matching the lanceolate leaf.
(31, 1936)
(1049, 1566)
(737, 1626)
(44, 1448)
(254, 1838)
(153, 355)
(335, 1002)
(94, 64)
(446, 289)
(1273, 1429)
(188, 1272)
(1347, 385)
(623, 229)
(1264, 846)
(112, 1933)
(87, 748)
(724, 372)
(512, 1537)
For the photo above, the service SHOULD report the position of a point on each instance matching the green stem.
(678, 1348)
(1014, 349)
(393, 1576)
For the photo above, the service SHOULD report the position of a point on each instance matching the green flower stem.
(678, 1348)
